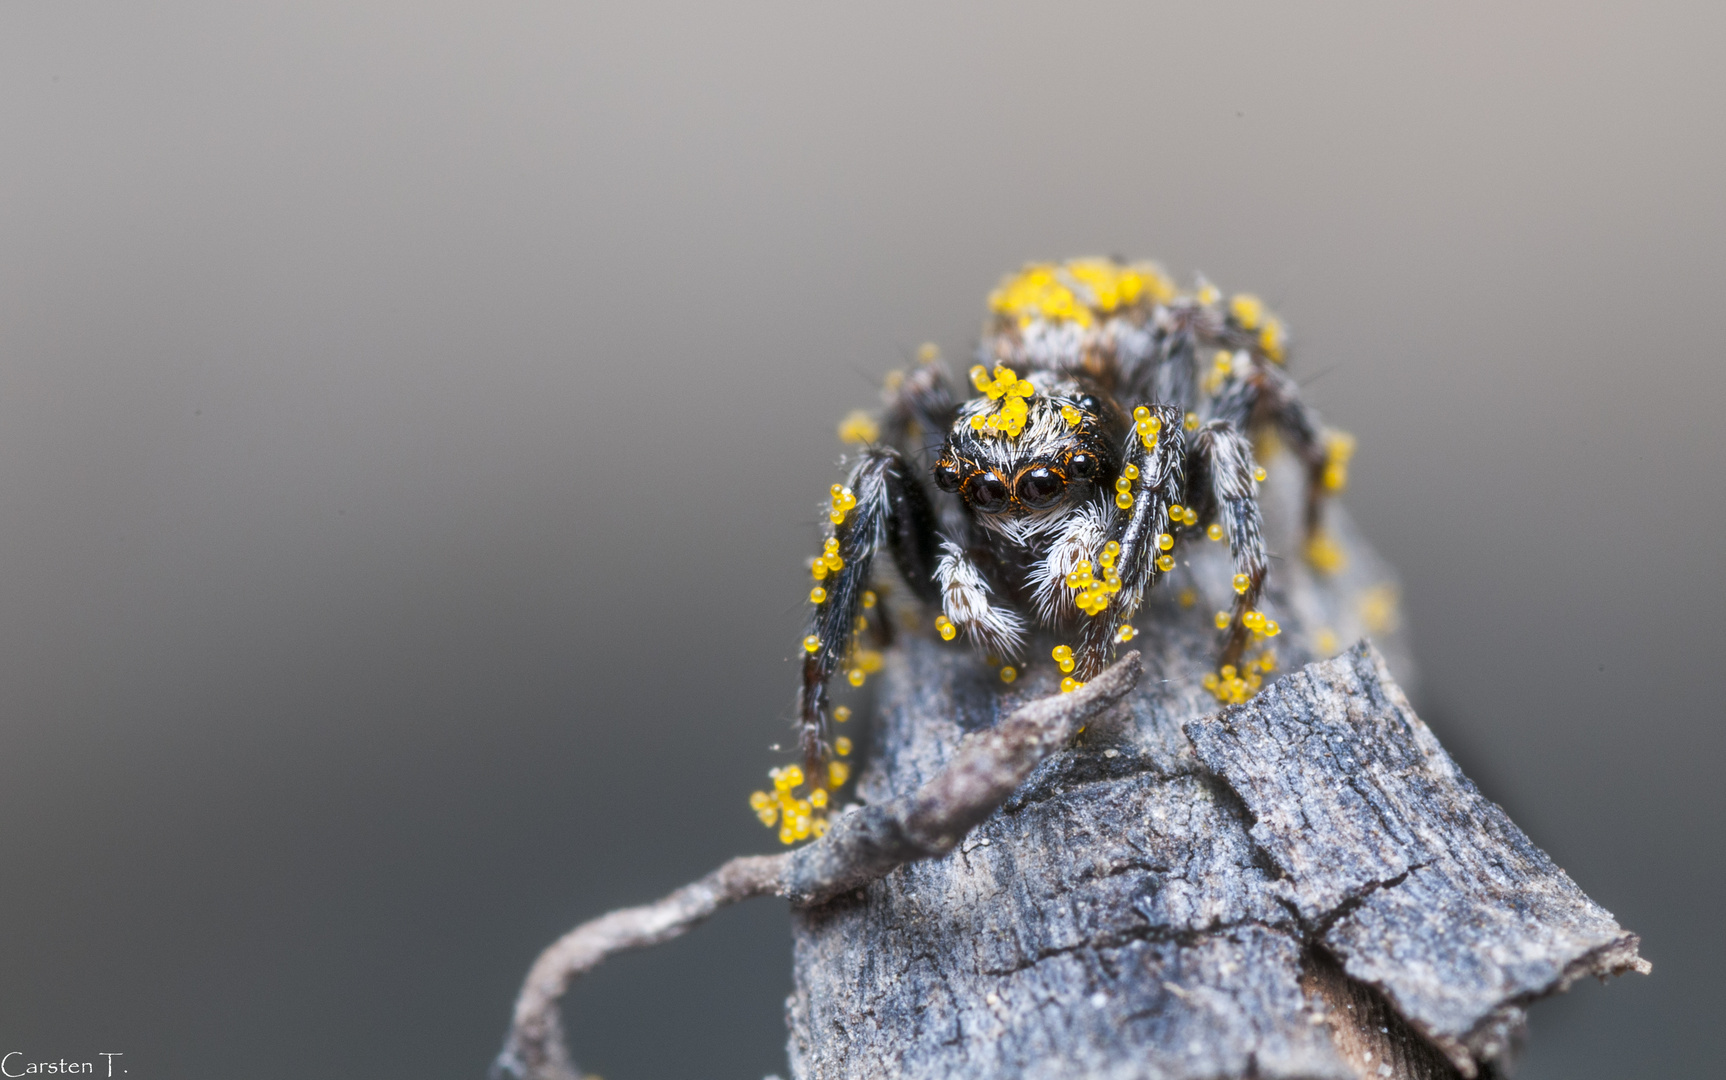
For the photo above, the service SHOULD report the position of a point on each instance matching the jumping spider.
(1110, 423)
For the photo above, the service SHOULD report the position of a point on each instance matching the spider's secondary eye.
(1090, 405)
(1040, 487)
(1083, 465)
(986, 493)
(946, 476)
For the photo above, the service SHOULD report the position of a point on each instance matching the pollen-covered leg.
(1269, 393)
(1137, 553)
(1224, 476)
(967, 605)
(882, 505)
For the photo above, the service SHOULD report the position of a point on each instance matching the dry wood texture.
(1300, 886)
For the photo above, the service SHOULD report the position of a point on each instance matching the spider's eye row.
(946, 476)
(1040, 487)
(1083, 465)
(985, 492)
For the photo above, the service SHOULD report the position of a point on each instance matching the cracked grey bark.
(1302, 886)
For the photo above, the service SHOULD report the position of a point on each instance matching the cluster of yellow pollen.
(1011, 391)
(1071, 415)
(1063, 655)
(1249, 314)
(1094, 594)
(1069, 684)
(1324, 553)
(828, 562)
(1232, 687)
(858, 427)
(843, 499)
(1124, 486)
(1338, 449)
(1147, 426)
(1260, 626)
(944, 626)
(799, 817)
(1050, 292)
(1183, 515)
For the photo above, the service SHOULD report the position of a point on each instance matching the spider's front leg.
(1224, 482)
(883, 503)
(1151, 481)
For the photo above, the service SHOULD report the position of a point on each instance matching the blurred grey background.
(412, 419)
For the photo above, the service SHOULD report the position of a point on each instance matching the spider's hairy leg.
(893, 510)
(1222, 460)
(965, 595)
(1269, 393)
(1138, 529)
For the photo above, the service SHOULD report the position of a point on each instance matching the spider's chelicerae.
(1110, 421)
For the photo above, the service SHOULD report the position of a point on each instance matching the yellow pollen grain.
(837, 773)
(1242, 583)
(1009, 673)
(1188, 598)
(842, 746)
(841, 714)
(1130, 471)
(1124, 499)
(1247, 310)
(868, 598)
(1189, 516)
(855, 676)
(944, 626)
(1191, 421)
(1222, 620)
(811, 644)
(817, 595)
(858, 427)
(1165, 563)
(1165, 541)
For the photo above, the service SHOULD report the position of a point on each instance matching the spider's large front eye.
(946, 476)
(1040, 487)
(986, 493)
(1083, 465)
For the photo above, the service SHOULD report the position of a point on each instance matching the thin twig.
(862, 845)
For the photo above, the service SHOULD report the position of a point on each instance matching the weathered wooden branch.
(1303, 886)
(862, 845)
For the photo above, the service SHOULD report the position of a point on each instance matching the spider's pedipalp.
(966, 600)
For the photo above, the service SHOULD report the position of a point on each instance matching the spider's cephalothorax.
(1110, 422)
